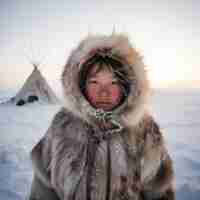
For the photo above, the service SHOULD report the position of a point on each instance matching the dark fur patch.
(153, 129)
(169, 195)
(165, 173)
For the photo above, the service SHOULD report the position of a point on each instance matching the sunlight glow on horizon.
(166, 33)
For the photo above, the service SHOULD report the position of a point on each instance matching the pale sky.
(166, 32)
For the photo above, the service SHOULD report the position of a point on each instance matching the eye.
(92, 81)
(114, 82)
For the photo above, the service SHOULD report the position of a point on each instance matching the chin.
(105, 107)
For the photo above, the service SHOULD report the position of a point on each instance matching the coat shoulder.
(61, 119)
(63, 115)
(42, 148)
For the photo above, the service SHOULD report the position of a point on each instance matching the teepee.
(34, 89)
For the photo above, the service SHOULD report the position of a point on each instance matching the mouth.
(104, 105)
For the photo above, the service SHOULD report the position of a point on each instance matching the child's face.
(102, 89)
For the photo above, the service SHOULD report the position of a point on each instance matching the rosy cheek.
(92, 93)
(115, 93)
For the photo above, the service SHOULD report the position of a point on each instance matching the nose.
(104, 92)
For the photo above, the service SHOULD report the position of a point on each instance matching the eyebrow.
(94, 75)
(94, 78)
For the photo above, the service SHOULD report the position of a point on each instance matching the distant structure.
(34, 89)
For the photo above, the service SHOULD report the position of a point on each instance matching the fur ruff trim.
(135, 106)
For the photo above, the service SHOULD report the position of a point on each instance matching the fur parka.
(78, 160)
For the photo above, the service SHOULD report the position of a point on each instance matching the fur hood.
(117, 46)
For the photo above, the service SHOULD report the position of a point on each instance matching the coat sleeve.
(39, 191)
(160, 186)
(41, 188)
(41, 156)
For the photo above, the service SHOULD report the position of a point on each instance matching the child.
(103, 144)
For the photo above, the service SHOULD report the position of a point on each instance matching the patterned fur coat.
(78, 160)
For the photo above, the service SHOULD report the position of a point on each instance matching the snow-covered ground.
(178, 113)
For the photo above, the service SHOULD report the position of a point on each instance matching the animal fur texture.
(73, 162)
